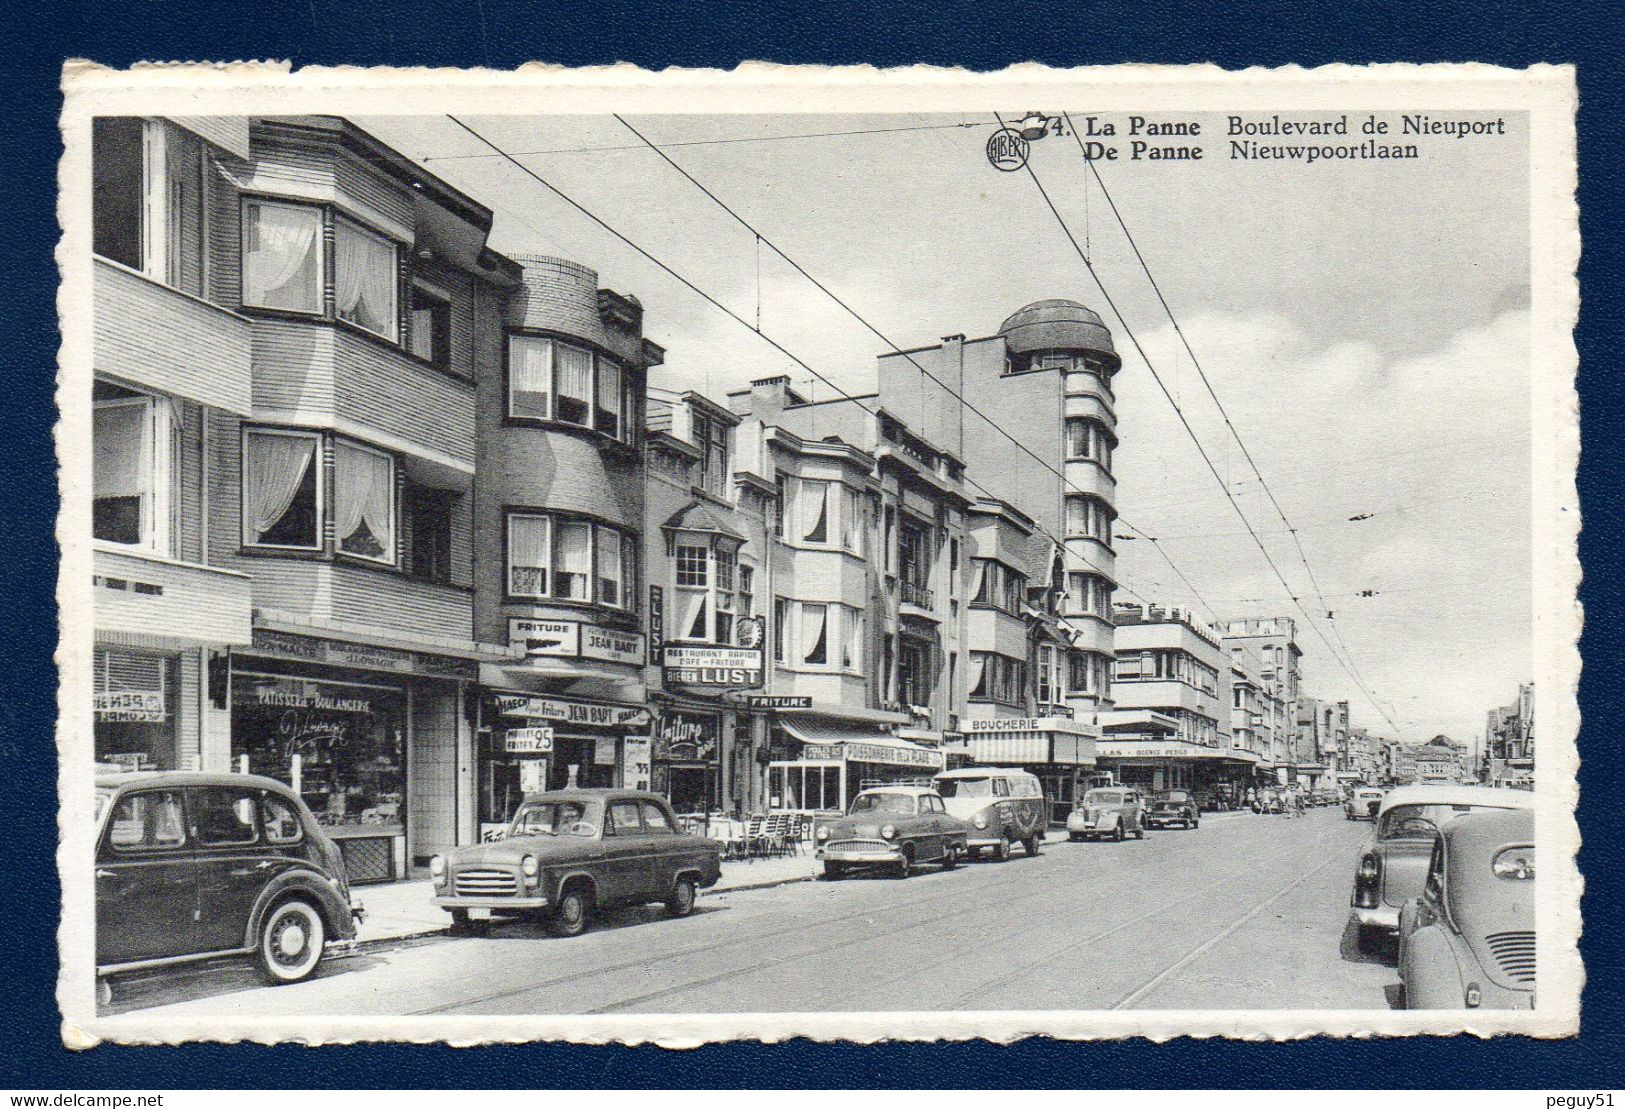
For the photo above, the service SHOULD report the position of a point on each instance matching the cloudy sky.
(1364, 323)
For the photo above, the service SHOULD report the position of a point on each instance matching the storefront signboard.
(657, 623)
(305, 648)
(545, 638)
(732, 667)
(131, 706)
(765, 701)
(1129, 749)
(635, 756)
(595, 713)
(528, 741)
(612, 646)
(687, 737)
(879, 753)
(603, 753)
(1031, 724)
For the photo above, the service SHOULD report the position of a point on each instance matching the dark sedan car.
(192, 865)
(571, 852)
(1171, 808)
(896, 828)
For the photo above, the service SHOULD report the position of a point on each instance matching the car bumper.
(340, 949)
(848, 855)
(507, 904)
(1092, 830)
(982, 839)
(1383, 917)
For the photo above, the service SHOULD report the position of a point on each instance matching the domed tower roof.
(1059, 325)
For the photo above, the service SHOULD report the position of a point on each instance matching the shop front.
(686, 756)
(838, 759)
(1059, 751)
(370, 737)
(532, 743)
(1156, 765)
(137, 709)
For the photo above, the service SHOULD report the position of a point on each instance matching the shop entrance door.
(432, 771)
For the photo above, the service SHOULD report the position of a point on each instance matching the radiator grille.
(1514, 954)
(486, 882)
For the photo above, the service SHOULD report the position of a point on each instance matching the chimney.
(768, 397)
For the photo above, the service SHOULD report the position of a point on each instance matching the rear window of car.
(280, 820)
(963, 787)
(225, 817)
(1412, 822)
(654, 819)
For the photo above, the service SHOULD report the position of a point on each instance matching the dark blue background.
(980, 36)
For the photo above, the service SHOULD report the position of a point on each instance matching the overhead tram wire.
(762, 239)
(1207, 384)
(1189, 430)
(702, 294)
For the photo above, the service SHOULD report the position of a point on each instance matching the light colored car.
(893, 827)
(1468, 942)
(1111, 812)
(1002, 805)
(569, 853)
(1393, 864)
(1362, 803)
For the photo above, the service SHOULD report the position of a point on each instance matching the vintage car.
(569, 853)
(192, 865)
(1172, 807)
(892, 827)
(1002, 805)
(1362, 803)
(1393, 864)
(1109, 813)
(1468, 942)
(1269, 801)
(1208, 801)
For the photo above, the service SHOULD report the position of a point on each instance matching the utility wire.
(762, 239)
(703, 142)
(1189, 430)
(707, 297)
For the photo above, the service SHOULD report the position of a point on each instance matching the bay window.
(1089, 593)
(998, 586)
(814, 639)
(996, 677)
(815, 509)
(1091, 674)
(282, 256)
(711, 437)
(282, 493)
(364, 501)
(852, 520)
(564, 559)
(132, 448)
(707, 603)
(1088, 518)
(366, 278)
(1050, 679)
(147, 199)
(556, 381)
(1088, 440)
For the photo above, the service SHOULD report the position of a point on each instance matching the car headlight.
(437, 869)
(889, 832)
(823, 832)
(528, 865)
(979, 820)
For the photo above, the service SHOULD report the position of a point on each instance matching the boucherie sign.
(729, 667)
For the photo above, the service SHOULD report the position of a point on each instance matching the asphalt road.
(1246, 912)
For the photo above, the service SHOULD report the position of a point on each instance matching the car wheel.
(834, 872)
(950, 857)
(1119, 834)
(572, 914)
(1073, 837)
(1139, 831)
(1002, 851)
(681, 901)
(1368, 941)
(462, 925)
(905, 864)
(1030, 845)
(290, 942)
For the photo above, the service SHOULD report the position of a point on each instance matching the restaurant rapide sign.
(728, 667)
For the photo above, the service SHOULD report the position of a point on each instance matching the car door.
(146, 880)
(667, 850)
(234, 862)
(628, 874)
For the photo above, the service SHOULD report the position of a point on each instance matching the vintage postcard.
(670, 557)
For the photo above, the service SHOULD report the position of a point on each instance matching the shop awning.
(1142, 721)
(828, 739)
(1171, 749)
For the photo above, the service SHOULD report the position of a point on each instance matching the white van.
(1003, 805)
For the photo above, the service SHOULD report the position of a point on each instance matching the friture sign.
(771, 701)
(573, 712)
(573, 639)
(729, 667)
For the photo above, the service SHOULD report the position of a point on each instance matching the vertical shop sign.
(657, 623)
(635, 767)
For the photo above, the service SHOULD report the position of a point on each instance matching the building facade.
(1274, 639)
(1509, 741)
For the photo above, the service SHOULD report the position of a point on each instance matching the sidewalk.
(400, 910)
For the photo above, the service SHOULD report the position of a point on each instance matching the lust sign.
(732, 667)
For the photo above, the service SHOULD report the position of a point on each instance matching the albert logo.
(1007, 150)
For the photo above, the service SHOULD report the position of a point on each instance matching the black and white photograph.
(612, 556)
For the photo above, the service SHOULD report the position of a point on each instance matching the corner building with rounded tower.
(1031, 409)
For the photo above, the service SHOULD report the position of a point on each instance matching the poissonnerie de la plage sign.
(1371, 131)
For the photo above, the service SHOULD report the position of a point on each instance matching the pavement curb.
(763, 885)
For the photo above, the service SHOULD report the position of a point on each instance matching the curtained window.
(611, 585)
(607, 415)
(530, 377)
(122, 450)
(814, 500)
(282, 256)
(852, 653)
(852, 521)
(365, 279)
(431, 326)
(530, 555)
(814, 635)
(281, 494)
(573, 373)
(364, 501)
(572, 561)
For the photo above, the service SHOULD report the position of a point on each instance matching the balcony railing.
(917, 595)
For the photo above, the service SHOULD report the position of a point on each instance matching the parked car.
(1111, 813)
(1208, 801)
(1362, 803)
(1172, 807)
(192, 865)
(568, 854)
(1393, 865)
(1328, 795)
(1468, 941)
(894, 827)
(1269, 801)
(1002, 805)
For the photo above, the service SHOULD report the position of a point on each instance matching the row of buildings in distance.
(398, 519)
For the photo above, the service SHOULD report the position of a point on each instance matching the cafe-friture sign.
(573, 639)
(595, 713)
(730, 667)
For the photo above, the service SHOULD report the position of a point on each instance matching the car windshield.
(964, 787)
(101, 801)
(1167, 803)
(556, 818)
(902, 803)
(1421, 821)
(1103, 797)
